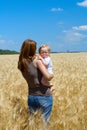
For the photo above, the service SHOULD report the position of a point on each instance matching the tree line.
(8, 52)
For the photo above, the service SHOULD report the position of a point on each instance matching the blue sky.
(60, 23)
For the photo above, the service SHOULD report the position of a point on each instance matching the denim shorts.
(43, 103)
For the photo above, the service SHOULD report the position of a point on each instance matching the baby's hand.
(39, 57)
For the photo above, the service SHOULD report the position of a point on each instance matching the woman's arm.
(43, 70)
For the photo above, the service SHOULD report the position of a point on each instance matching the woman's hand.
(43, 70)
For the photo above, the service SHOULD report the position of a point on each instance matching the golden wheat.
(70, 95)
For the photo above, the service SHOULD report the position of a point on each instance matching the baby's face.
(44, 52)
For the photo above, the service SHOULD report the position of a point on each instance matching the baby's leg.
(52, 87)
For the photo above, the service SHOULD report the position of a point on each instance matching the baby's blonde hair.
(42, 46)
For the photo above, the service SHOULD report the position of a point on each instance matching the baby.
(44, 56)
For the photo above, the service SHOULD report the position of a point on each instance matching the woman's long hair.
(27, 54)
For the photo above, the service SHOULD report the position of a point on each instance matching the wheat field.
(69, 97)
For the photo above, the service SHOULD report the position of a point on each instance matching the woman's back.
(33, 77)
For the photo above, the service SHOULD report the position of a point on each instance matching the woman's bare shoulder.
(35, 61)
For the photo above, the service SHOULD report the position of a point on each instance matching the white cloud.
(79, 35)
(65, 31)
(56, 9)
(8, 44)
(2, 41)
(11, 41)
(0, 36)
(80, 28)
(72, 36)
(83, 4)
(61, 23)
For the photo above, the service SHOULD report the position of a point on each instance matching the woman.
(32, 69)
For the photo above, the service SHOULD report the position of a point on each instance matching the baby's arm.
(43, 61)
